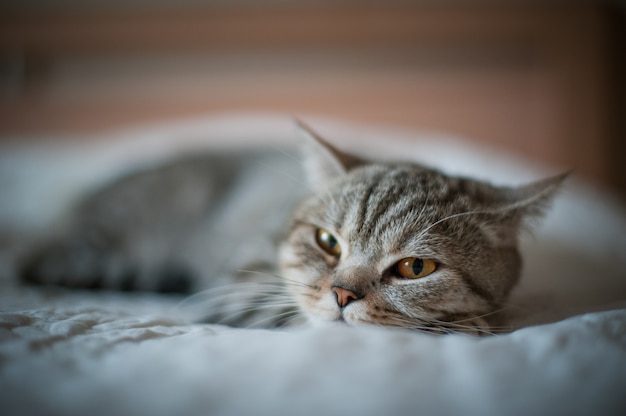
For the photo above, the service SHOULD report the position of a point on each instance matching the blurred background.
(544, 79)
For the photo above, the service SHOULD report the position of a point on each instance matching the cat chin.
(316, 322)
(336, 319)
(325, 318)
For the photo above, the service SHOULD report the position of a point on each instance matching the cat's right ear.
(323, 162)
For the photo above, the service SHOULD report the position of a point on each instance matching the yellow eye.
(328, 242)
(414, 268)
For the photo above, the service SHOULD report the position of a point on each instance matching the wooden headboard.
(538, 78)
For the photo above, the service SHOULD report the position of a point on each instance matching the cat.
(355, 242)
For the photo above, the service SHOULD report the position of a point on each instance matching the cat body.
(181, 226)
(356, 242)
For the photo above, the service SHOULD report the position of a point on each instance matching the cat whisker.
(251, 307)
(310, 295)
(295, 282)
(250, 299)
(495, 211)
(419, 215)
(286, 153)
(295, 318)
(255, 293)
(483, 315)
(228, 287)
(411, 325)
(433, 325)
(233, 290)
(449, 217)
(457, 327)
(400, 322)
(230, 303)
(255, 308)
(282, 173)
(288, 313)
(438, 326)
(493, 328)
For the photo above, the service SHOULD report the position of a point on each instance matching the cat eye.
(415, 268)
(328, 242)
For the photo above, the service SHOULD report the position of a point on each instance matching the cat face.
(402, 245)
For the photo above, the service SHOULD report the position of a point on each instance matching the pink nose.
(344, 296)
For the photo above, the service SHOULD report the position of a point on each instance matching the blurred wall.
(541, 78)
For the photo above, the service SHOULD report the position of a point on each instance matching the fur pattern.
(213, 224)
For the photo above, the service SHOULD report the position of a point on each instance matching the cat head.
(398, 244)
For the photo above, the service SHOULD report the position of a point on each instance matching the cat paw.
(77, 264)
(173, 277)
(83, 264)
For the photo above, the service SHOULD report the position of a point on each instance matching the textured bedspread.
(87, 360)
(84, 353)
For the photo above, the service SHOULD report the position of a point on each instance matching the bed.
(66, 352)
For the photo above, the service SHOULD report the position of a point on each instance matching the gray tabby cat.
(366, 243)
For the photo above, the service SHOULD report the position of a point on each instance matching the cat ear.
(322, 161)
(531, 200)
(517, 208)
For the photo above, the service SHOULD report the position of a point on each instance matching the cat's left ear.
(323, 162)
(518, 207)
(532, 199)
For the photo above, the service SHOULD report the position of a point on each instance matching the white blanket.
(82, 353)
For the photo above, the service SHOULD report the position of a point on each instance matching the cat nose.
(344, 296)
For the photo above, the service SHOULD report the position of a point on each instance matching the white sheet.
(80, 353)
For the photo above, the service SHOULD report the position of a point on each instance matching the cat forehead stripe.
(398, 196)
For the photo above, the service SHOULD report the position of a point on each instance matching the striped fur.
(209, 222)
(382, 213)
